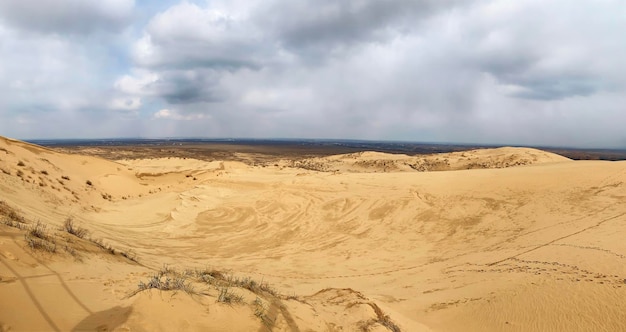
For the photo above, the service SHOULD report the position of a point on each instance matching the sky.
(506, 72)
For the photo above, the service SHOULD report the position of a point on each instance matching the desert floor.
(508, 239)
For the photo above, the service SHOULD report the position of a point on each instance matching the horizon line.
(325, 140)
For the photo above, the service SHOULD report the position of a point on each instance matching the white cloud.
(188, 36)
(175, 115)
(44, 73)
(52, 82)
(126, 104)
(138, 83)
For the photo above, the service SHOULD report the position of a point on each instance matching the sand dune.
(370, 162)
(508, 239)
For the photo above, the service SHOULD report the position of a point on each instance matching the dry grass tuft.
(70, 227)
(40, 244)
(39, 230)
(73, 252)
(38, 238)
(228, 296)
(130, 254)
(251, 285)
(226, 285)
(13, 223)
(12, 217)
(103, 246)
(167, 279)
(261, 311)
(381, 318)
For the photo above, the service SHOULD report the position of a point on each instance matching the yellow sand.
(508, 239)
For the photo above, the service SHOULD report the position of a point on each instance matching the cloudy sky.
(527, 72)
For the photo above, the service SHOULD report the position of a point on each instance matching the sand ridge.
(369, 161)
(486, 240)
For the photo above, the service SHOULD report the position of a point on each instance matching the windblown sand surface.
(506, 239)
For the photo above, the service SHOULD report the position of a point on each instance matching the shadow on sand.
(106, 320)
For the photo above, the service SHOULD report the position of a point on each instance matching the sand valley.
(507, 239)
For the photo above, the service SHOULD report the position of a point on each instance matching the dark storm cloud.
(179, 87)
(189, 48)
(328, 23)
(529, 80)
(188, 35)
(556, 88)
(191, 37)
(66, 16)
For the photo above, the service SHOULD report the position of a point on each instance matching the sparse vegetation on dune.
(381, 318)
(70, 227)
(166, 282)
(130, 254)
(39, 230)
(104, 246)
(13, 223)
(72, 251)
(219, 280)
(38, 238)
(226, 288)
(40, 244)
(227, 295)
(261, 312)
(11, 217)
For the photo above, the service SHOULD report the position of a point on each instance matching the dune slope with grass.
(508, 239)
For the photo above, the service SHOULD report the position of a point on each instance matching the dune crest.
(485, 240)
(385, 162)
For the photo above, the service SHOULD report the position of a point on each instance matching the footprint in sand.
(8, 255)
(7, 280)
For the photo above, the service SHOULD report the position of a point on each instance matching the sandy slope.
(373, 162)
(507, 239)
